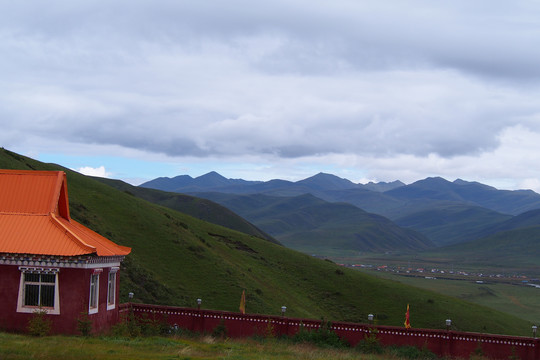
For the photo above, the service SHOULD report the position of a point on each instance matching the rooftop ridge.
(57, 192)
(71, 234)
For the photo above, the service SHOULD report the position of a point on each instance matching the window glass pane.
(31, 277)
(47, 295)
(48, 278)
(93, 290)
(31, 295)
(111, 289)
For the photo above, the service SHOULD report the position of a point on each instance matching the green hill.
(448, 223)
(177, 258)
(512, 249)
(527, 219)
(197, 207)
(309, 224)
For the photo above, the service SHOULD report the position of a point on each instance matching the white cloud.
(90, 171)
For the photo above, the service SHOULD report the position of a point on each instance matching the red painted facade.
(74, 296)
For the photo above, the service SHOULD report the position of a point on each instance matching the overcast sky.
(367, 90)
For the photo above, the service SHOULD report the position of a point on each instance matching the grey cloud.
(293, 79)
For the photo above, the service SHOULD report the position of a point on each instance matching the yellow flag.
(407, 321)
(243, 302)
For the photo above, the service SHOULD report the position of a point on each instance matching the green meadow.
(515, 299)
(19, 347)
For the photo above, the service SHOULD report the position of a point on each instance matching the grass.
(517, 300)
(13, 347)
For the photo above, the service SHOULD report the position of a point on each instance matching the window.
(111, 289)
(93, 305)
(38, 289)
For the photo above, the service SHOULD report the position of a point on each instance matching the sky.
(377, 90)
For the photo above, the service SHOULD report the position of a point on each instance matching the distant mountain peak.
(212, 174)
(382, 186)
(211, 179)
(328, 181)
(434, 179)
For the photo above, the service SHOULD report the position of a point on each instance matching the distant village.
(436, 273)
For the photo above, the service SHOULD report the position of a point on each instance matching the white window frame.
(111, 288)
(93, 297)
(21, 307)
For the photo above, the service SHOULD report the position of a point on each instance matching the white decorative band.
(39, 270)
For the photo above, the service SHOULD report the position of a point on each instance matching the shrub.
(84, 324)
(128, 327)
(153, 327)
(269, 331)
(370, 344)
(324, 336)
(220, 331)
(39, 324)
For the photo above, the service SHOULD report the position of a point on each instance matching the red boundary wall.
(440, 342)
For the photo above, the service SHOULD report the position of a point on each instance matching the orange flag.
(243, 302)
(407, 322)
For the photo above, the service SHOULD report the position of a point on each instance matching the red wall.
(9, 284)
(440, 342)
(74, 286)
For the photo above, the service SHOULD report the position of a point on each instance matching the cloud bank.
(377, 86)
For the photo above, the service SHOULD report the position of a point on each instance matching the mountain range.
(341, 215)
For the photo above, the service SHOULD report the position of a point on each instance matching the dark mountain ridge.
(511, 202)
(309, 224)
(444, 211)
(384, 198)
(214, 182)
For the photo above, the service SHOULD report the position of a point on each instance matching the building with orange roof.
(50, 262)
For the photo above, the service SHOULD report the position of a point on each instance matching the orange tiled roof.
(34, 218)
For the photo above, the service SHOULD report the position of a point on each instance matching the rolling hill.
(309, 224)
(514, 243)
(197, 207)
(511, 250)
(177, 258)
(450, 223)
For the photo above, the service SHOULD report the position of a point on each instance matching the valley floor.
(510, 295)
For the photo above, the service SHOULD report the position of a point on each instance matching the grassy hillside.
(309, 224)
(197, 207)
(527, 219)
(449, 223)
(519, 248)
(177, 258)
